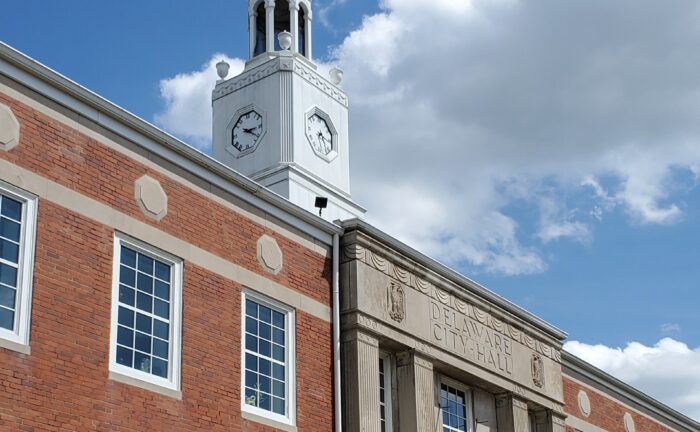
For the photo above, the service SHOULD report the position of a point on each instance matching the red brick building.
(146, 286)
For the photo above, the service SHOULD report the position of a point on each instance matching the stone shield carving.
(537, 370)
(396, 302)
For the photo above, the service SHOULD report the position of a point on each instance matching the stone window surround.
(18, 339)
(171, 385)
(290, 361)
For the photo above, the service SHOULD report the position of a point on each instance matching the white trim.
(175, 342)
(388, 391)
(442, 379)
(25, 271)
(290, 358)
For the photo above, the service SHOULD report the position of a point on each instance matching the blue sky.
(564, 175)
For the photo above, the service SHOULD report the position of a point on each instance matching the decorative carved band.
(369, 340)
(357, 252)
(286, 64)
(321, 83)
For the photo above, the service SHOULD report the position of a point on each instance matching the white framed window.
(146, 313)
(18, 210)
(455, 406)
(268, 383)
(385, 411)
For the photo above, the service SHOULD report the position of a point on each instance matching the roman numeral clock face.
(247, 131)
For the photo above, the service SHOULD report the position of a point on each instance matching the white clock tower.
(280, 122)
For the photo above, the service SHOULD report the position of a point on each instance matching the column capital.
(360, 336)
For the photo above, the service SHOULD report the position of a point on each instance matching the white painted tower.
(280, 122)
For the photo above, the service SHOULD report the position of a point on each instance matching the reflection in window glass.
(265, 358)
(143, 331)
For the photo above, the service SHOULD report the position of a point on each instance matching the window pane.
(144, 283)
(145, 264)
(160, 329)
(7, 297)
(144, 302)
(127, 276)
(128, 257)
(162, 290)
(125, 356)
(161, 308)
(9, 229)
(7, 319)
(126, 317)
(8, 275)
(160, 348)
(126, 295)
(11, 208)
(125, 337)
(9, 251)
(143, 343)
(162, 271)
(159, 367)
(142, 362)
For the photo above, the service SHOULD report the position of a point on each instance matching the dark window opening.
(282, 20)
(301, 32)
(260, 30)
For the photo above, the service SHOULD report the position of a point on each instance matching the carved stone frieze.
(409, 279)
(286, 64)
(320, 82)
(245, 79)
(9, 128)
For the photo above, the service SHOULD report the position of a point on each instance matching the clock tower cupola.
(281, 122)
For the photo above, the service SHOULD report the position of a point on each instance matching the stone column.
(549, 421)
(294, 24)
(308, 36)
(270, 24)
(252, 32)
(511, 413)
(418, 410)
(360, 353)
(558, 422)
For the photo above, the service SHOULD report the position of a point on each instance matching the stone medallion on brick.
(629, 423)
(584, 404)
(151, 197)
(9, 128)
(269, 254)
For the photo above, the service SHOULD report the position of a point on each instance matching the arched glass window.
(260, 30)
(282, 20)
(301, 32)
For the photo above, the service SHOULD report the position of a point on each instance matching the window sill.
(14, 346)
(125, 379)
(267, 422)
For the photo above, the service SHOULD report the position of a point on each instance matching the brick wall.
(63, 384)
(606, 412)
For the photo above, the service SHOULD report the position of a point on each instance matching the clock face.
(319, 134)
(247, 131)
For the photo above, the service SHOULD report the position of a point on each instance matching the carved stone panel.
(151, 197)
(269, 254)
(537, 370)
(9, 128)
(396, 302)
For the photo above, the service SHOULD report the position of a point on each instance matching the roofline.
(455, 277)
(613, 384)
(106, 113)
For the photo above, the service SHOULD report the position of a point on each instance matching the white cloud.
(187, 98)
(670, 328)
(461, 108)
(668, 371)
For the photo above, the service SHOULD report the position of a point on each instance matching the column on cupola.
(270, 25)
(511, 412)
(294, 23)
(252, 30)
(416, 393)
(307, 39)
(360, 353)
